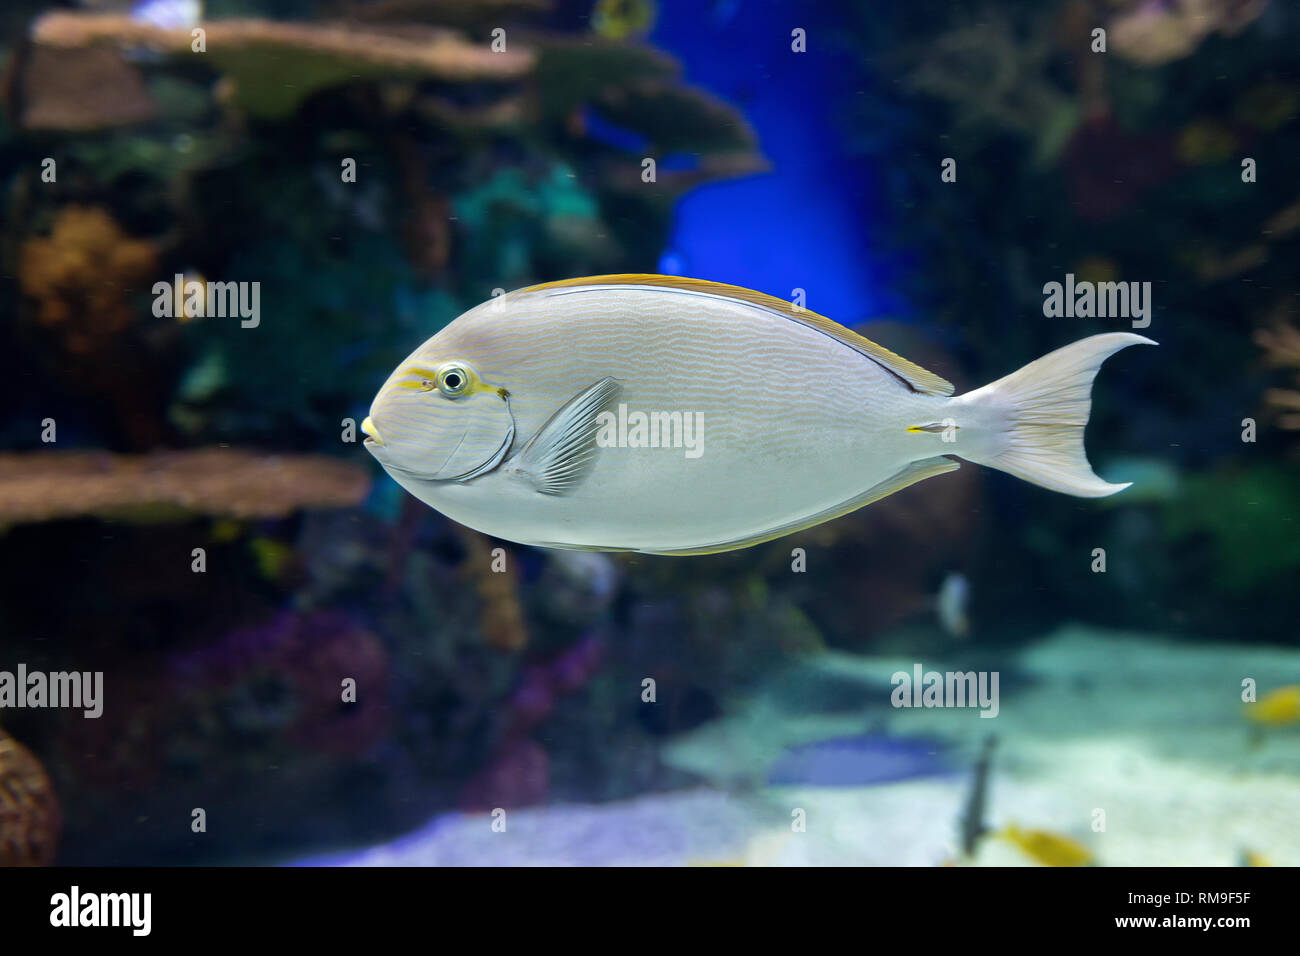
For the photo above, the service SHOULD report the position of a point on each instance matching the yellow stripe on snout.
(415, 378)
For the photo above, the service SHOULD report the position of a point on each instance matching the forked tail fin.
(1030, 423)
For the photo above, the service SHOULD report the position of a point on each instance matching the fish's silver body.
(793, 420)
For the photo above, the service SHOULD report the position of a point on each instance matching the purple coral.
(534, 699)
(518, 774)
(286, 676)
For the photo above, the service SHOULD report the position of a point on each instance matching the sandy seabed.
(1145, 734)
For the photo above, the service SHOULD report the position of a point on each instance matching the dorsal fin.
(915, 377)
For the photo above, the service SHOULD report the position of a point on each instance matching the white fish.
(951, 602)
(677, 416)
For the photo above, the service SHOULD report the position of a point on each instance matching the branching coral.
(1154, 33)
(1212, 266)
(994, 74)
(29, 810)
(42, 486)
(1281, 344)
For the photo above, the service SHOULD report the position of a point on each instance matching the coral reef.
(43, 486)
(244, 724)
(1066, 744)
(1238, 521)
(497, 585)
(1151, 34)
(80, 286)
(44, 89)
(475, 170)
(1148, 184)
(519, 776)
(996, 73)
(81, 277)
(283, 680)
(541, 685)
(29, 809)
(1108, 169)
(273, 66)
(465, 14)
(1213, 266)
(426, 229)
(1268, 105)
(1281, 344)
(675, 118)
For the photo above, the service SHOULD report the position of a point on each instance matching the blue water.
(783, 230)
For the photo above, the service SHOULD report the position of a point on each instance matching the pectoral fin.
(559, 456)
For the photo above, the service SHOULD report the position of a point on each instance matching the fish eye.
(452, 381)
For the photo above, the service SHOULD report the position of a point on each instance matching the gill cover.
(477, 431)
(443, 422)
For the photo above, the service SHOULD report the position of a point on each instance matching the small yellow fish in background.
(677, 416)
(225, 530)
(1251, 858)
(1047, 849)
(763, 849)
(620, 19)
(195, 296)
(713, 863)
(272, 557)
(1277, 708)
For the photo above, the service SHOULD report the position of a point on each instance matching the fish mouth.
(371, 432)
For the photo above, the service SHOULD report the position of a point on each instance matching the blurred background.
(797, 146)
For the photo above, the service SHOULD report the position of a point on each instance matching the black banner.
(332, 906)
